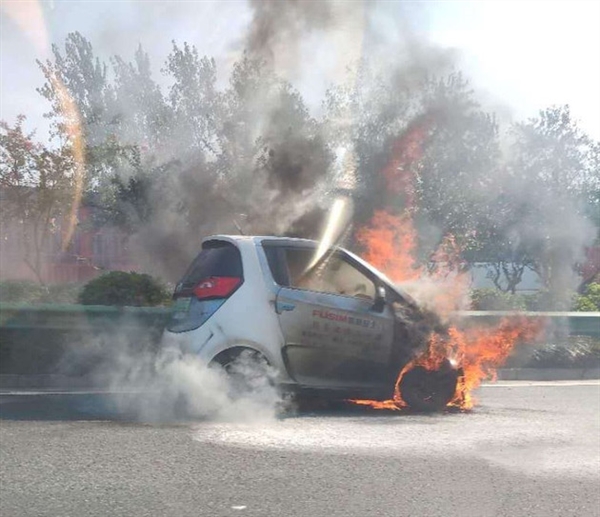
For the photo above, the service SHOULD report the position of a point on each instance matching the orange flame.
(478, 351)
(389, 242)
(406, 151)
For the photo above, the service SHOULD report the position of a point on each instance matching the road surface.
(528, 449)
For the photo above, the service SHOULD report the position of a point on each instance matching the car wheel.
(248, 371)
(428, 391)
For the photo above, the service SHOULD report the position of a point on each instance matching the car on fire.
(325, 321)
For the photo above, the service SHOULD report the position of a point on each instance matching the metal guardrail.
(572, 323)
(43, 339)
(35, 338)
(68, 317)
(71, 317)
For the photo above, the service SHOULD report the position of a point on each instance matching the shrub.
(589, 301)
(20, 291)
(28, 292)
(124, 289)
(495, 300)
(570, 352)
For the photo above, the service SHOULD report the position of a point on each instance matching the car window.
(216, 259)
(293, 267)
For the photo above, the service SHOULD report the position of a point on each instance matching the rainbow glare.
(29, 17)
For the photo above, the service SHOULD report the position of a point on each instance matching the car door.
(334, 335)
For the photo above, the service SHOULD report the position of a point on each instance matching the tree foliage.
(35, 191)
(540, 217)
(170, 161)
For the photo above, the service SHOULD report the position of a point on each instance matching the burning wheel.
(427, 390)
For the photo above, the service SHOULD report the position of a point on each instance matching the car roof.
(257, 239)
(253, 240)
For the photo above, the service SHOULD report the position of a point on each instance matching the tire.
(248, 371)
(428, 391)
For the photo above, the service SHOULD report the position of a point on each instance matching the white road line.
(498, 384)
(29, 393)
(528, 384)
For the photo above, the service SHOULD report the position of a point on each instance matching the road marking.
(528, 384)
(37, 393)
(499, 384)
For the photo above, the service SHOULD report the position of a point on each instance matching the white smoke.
(149, 383)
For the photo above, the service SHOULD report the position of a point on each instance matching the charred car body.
(325, 321)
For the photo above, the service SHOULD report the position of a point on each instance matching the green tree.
(36, 189)
(83, 76)
(457, 175)
(422, 144)
(195, 101)
(142, 115)
(551, 179)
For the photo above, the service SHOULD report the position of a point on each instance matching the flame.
(406, 151)
(478, 351)
(389, 405)
(389, 242)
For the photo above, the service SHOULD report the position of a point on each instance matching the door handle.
(280, 307)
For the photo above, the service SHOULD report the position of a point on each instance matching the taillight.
(216, 287)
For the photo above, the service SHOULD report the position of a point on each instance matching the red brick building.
(90, 252)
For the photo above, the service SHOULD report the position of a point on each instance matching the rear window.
(216, 259)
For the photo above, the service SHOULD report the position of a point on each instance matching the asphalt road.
(529, 449)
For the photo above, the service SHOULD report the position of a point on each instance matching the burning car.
(328, 323)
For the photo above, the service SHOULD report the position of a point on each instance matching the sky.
(520, 56)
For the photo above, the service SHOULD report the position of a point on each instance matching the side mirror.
(379, 304)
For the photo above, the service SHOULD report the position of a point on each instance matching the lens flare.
(29, 17)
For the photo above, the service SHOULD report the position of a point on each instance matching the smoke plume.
(149, 383)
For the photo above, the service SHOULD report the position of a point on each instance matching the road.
(528, 449)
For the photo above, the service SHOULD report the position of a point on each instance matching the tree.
(82, 76)
(457, 171)
(142, 115)
(194, 100)
(425, 147)
(36, 188)
(541, 217)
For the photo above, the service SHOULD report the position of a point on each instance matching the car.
(325, 321)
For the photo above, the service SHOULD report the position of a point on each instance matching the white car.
(325, 321)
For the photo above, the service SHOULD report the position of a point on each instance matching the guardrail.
(68, 317)
(42, 339)
(571, 323)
